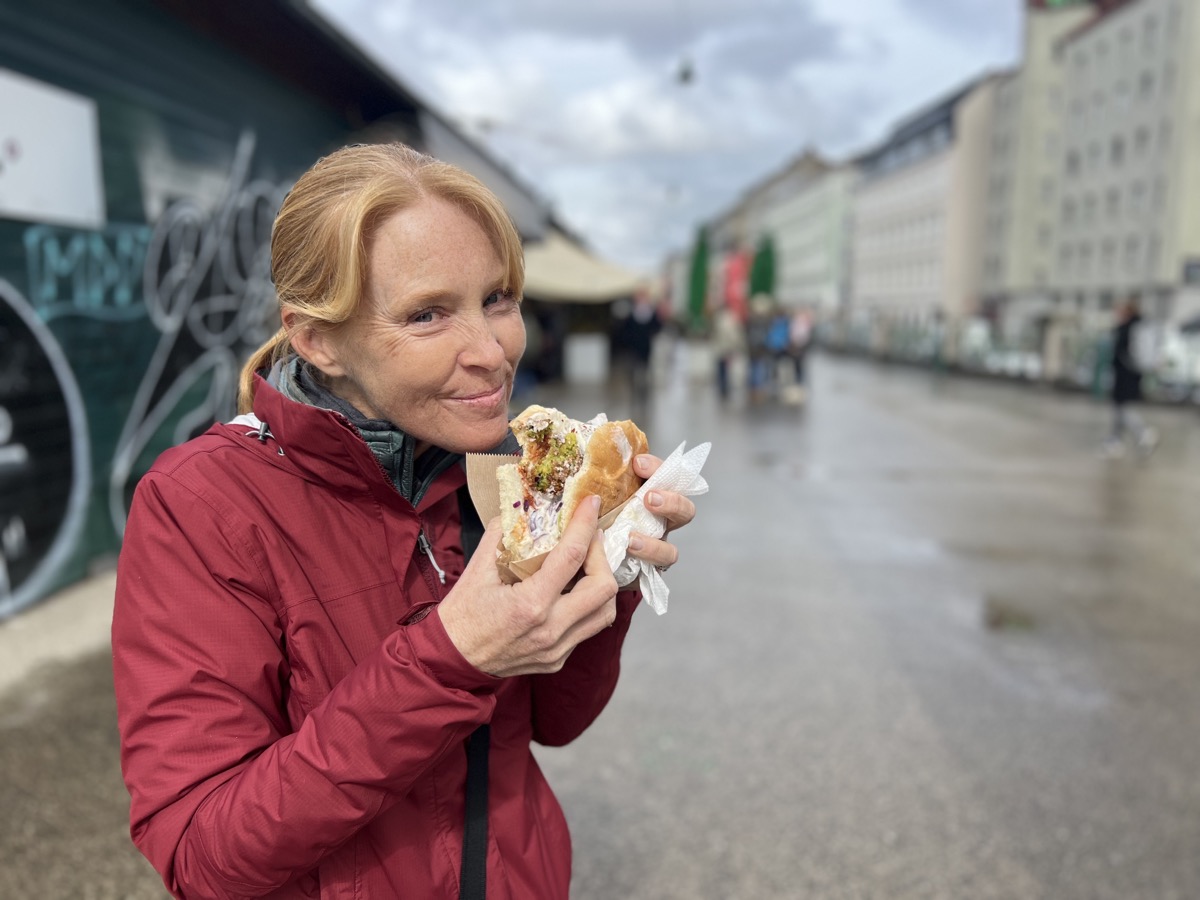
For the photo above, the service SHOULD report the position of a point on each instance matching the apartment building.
(811, 231)
(1128, 222)
(917, 232)
(1025, 169)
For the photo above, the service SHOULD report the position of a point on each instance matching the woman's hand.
(675, 509)
(532, 627)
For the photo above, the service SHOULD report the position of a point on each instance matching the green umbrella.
(762, 270)
(698, 283)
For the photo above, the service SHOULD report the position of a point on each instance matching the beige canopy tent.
(559, 270)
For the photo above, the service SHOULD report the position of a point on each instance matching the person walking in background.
(1127, 386)
(729, 342)
(758, 344)
(635, 338)
(799, 338)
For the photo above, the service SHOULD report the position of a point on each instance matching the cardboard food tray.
(485, 494)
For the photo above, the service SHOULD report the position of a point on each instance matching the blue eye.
(423, 317)
(498, 297)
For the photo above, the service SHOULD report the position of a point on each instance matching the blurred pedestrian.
(635, 338)
(799, 336)
(728, 343)
(1126, 388)
(799, 339)
(758, 345)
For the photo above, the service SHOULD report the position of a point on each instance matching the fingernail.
(595, 501)
(635, 543)
(654, 499)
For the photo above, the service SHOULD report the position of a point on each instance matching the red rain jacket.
(292, 713)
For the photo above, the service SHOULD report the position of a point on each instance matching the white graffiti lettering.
(207, 279)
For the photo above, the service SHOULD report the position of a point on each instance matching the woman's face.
(436, 341)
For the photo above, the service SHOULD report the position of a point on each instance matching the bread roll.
(563, 460)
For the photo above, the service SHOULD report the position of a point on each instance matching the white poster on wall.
(49, 154)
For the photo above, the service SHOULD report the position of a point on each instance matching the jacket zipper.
(427, 549)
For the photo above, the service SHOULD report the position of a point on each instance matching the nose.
(481, 347)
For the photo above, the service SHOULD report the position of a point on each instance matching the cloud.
(984, 22)
(582, 101)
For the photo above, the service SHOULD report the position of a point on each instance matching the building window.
(1108, 253)
(1145, 86)
(1141, 142)
(1121, 94)
(1066, 256)
(1149, 34)
(1153, 254)
(1137, 198)
(1072, 163)
(1132, 249)
(1093, 156)
(1112, 203)
(1117, 151)
(1089, 208)
(1068, 212)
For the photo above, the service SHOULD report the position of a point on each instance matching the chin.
(480, 438)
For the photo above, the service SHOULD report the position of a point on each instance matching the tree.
(698, 282)
(762, 270)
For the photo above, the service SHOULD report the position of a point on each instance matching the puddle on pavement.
(1003, 615)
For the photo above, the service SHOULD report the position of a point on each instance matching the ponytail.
(272, 350)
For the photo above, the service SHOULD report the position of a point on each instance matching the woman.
(1126, 389)
(303, 641)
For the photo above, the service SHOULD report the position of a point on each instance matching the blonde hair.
(322, 236)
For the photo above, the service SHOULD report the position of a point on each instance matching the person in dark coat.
(635, 339)
(1127, 386)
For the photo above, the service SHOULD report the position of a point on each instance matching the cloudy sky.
(583, 100)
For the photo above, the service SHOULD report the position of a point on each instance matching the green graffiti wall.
(120, 340)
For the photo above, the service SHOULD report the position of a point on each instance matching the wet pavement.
(922, 643)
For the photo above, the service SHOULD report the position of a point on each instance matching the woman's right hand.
(532, 627)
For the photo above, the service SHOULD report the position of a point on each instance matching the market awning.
(559, 270)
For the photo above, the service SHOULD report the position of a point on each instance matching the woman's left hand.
(673, 508)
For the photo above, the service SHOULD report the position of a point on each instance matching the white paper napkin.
(679, 472)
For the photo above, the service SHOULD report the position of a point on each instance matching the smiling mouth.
(486, 398)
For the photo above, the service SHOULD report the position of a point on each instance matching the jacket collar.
(393, 449)
(325, 439)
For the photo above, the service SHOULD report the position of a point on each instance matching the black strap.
(472, 528)
(473, 885)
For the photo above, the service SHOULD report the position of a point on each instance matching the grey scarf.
(394, 449)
